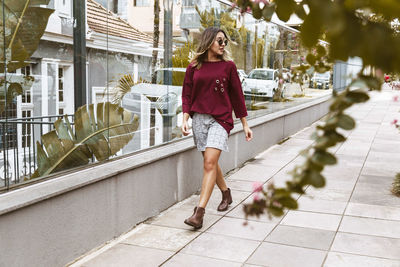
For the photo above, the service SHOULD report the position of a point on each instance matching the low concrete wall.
(53, 222)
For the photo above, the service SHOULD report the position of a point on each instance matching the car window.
(261, 75)
(322, 75)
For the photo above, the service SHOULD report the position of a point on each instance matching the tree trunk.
(156, 37)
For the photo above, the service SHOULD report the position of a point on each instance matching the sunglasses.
(220, 42)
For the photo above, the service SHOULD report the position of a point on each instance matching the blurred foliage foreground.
(352, 28)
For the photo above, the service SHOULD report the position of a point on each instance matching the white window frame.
(64, 10)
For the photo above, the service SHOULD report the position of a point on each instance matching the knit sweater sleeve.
(187, 90)
(236, 93)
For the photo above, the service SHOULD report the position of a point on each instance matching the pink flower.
(257, 187)
(396, 98)
(394, 122)
(256, 197)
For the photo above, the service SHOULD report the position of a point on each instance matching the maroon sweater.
(214, 89)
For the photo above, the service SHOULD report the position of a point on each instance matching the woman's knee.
(210, 164)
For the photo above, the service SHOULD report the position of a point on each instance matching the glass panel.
(123, 57)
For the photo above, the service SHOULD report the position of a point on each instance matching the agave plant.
(100, 133)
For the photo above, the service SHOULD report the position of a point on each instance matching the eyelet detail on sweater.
(217, 81)
(215, 88)
(222, 90)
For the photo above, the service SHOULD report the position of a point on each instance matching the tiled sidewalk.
(353, 221)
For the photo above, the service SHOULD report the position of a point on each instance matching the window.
(9, 134)
(141, 2)
(65, 8)
(26, 129)
(60, 95)
(188, 3)
(26, 96)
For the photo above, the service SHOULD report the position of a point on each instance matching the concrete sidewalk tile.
(373, 211)
(276, 255)
(182, 259)
(369, 226)
(373, 246)
(236, 228)
(239, 213)
(122, 255)
(221, 247)
(160, 237)
(329, 194)
(174, 218)
(377, 170)
(384, 157)
(377, 196)
(376, 180)
(344, 186)
(335, 259)
(240, 185)
(312, 220)
(301, 237)
(307, 203)
(254, 172)
(392, 147)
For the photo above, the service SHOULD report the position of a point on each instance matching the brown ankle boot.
(226, 200)
(196, 220)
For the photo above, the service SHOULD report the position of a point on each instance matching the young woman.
(211, 90)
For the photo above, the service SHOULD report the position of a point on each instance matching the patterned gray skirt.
(207, 132)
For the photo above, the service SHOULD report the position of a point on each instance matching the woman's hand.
(247, 131)
(185, 125)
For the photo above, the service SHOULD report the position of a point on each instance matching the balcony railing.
(18, 157)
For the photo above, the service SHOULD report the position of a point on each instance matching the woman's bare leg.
(210, 171)
(220, 179)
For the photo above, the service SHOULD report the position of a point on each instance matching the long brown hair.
(207, 39)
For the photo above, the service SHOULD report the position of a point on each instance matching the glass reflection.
(134, 55)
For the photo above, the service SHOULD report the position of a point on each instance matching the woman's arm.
(186, 99)
(185, 125)
(247, 131)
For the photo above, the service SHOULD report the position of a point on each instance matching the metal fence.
(18, 157)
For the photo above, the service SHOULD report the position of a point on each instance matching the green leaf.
(315, 179)
(357, 96)
(288, 202)
(323, 158)
(372, 82)
(275, 211)
(101, 135)
(284, 9)
(25, 25)
(346, 122)
(310, 30)
(321, 51)
(268, 11)
(281, 192)
(311, 59)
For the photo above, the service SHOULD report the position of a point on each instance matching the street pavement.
(353, 221)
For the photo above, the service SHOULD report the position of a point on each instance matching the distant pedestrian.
(211, 90)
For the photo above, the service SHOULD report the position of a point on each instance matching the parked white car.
(261, 82)
(162, 96)
(320, 80)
